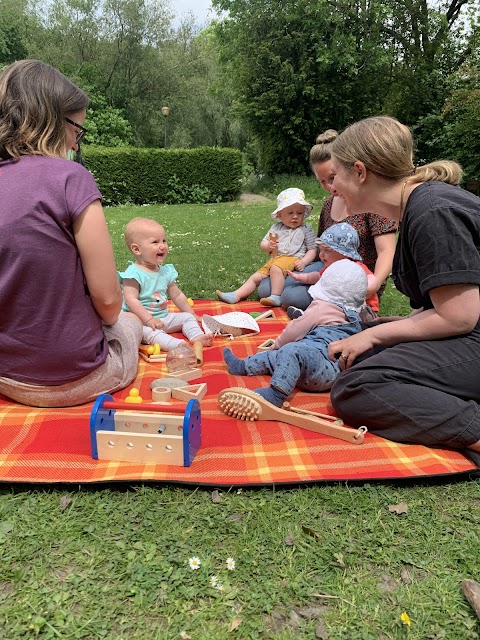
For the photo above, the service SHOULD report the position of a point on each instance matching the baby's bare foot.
(205, 338)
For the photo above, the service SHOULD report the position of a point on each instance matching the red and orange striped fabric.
(53, 445)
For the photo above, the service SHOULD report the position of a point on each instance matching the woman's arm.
(98, 262)
(456, 312)
(385, 247)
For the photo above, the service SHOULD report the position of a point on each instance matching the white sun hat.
(291, 196)
(344, 283)
(235, 323)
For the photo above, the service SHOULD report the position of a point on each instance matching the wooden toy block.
(144, 433)
(189, 374)
(265, 315)
(198, 349)
(140, 447)
(196, 391)
(153, 358)
(168, 382)
(266, 346)
(161, 394)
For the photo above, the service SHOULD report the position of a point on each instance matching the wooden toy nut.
(161, 394)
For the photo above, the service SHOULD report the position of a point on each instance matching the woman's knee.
(296, 296)
(264, 288)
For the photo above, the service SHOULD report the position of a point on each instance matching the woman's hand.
(350, 348)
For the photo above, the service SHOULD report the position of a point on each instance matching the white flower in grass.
(230, 564)
(219, 586)
(214, 581)
(194, 563)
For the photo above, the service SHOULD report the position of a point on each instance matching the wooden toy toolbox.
(162, 434)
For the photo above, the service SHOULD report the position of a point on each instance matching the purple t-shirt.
(50, 333)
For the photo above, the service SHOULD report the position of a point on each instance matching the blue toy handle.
(101, 419)
(192, 431)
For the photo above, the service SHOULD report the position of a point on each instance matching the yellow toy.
(134, 397)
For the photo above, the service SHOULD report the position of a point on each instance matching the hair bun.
(327, 137)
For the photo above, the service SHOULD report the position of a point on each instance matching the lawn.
(330, 561)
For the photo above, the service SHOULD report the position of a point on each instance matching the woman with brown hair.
(63, 340)
(414, 379)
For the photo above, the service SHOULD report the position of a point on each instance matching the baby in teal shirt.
(148, 284)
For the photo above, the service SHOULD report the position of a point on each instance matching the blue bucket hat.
(343, 238)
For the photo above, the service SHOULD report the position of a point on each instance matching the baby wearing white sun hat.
(290, 243)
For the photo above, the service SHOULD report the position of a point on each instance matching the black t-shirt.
(438, 243)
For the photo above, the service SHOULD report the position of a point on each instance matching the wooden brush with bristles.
(245, 405)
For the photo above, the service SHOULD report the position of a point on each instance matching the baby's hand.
(299, 277)
(299, 266)
(155, 323)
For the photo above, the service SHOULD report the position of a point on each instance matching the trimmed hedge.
(146, 176)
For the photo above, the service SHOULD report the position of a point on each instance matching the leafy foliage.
(143, 176)
(299, 67)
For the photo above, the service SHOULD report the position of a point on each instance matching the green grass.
(272, 185)
(112, 562)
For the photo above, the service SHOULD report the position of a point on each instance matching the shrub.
(148, 176)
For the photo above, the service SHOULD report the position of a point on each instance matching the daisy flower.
(194, 563)
(213, 581)
(230, 564)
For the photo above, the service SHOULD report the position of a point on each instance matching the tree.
(13, 40)
(300, 66)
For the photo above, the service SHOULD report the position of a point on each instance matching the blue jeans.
(304, 364)
(295, 293)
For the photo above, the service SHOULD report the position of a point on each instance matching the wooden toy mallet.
(273, 237)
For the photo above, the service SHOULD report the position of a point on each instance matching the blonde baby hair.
(136, 228)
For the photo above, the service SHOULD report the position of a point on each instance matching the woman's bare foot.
(205, 338)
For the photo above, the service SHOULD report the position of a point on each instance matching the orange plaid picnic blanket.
(53, 445)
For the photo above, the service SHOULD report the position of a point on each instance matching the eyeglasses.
(82, 131)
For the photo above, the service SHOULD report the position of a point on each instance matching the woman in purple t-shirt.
(63, 340)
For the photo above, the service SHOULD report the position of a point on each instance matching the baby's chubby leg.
(258, 365)
(188, 325)
(242, 292)
(300, 364)
(160, 337)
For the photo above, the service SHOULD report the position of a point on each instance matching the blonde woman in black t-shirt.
(414, 379)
